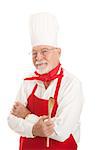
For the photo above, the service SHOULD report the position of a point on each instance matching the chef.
(29, 114)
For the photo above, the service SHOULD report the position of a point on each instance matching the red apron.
(39, 107)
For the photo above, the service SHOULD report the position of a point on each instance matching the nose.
(39, 56)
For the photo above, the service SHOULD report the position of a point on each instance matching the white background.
(79, 38)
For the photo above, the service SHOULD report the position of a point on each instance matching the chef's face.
(45, 58)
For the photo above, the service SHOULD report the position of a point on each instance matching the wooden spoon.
(50, 108)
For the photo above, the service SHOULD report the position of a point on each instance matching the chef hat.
(43, 29)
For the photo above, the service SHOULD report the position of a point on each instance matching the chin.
(43, 70)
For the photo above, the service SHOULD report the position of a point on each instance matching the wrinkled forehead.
(42, 47)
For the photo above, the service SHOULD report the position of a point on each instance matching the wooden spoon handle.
(48, 137)
(50, 107)
(47, 141)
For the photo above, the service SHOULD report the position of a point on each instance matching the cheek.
(33, 60)
(52, 59)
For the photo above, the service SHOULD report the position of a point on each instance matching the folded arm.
(20, 122)
(16, 117)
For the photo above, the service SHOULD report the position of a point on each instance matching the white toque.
(43, 29)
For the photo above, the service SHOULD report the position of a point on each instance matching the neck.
(46, 84)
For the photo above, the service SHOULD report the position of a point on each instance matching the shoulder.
(70, 78)
(27, 81)
(70, 85)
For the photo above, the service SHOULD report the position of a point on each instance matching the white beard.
(43, 71)
(44, 68)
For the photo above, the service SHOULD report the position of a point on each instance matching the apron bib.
(39, 107)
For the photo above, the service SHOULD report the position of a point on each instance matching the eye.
(44, 52)
(34, 53)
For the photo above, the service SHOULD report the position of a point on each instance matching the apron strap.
(58, 85)
(35, 87)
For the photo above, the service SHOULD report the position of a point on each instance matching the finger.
(13, 110)
(17, 103)
(13, 113)
(49, 123)
(15, 107)
(49, 132)
(50, 126)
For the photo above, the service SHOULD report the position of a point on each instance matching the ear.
(59, 51)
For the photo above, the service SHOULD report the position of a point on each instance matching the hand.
(43, 128)
(19, 110)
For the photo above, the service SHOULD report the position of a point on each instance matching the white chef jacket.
(67, 118)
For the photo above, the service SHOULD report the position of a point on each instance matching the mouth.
(41, 65)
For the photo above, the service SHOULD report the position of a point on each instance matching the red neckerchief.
(47, 77)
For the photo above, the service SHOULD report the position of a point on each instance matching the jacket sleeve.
(68, 112)
(19, 125)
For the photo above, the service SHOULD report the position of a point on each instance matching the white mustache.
(40, 62)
